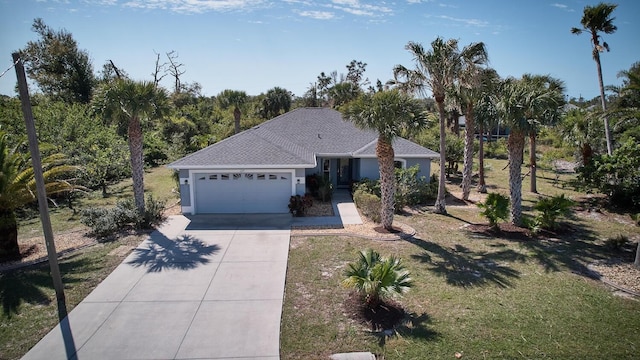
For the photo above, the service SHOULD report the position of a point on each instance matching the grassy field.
(485, 298)
(29, 308)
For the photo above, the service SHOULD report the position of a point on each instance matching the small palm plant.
(495, 207)
(377, 278)
(551, 209)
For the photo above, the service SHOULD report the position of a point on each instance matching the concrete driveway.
(203, 287)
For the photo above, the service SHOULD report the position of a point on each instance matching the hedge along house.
(258, 170)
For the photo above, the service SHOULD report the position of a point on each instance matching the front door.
(344, 172)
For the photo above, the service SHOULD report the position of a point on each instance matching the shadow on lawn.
(184, 253)
(35, 286)
(467, 268)
(412, 326)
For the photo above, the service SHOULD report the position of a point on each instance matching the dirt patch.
(320, 208)
(34, 249)
(503, 231)
(385, 316)
(619, 273)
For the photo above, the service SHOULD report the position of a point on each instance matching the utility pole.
(42, 195)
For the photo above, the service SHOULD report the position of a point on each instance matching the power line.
(10, 67)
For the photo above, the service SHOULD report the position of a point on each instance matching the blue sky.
(254, 45)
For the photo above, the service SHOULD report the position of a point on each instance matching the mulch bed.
(504, 231)
(384, 316)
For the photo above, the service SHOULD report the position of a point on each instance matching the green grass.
(482, 297)
(158, 181)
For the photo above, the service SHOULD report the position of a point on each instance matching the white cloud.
(470, 22)
(195, 6)
(319, 15)
(355, 7)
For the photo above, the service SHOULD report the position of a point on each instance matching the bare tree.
(175, 69)
(160, 70)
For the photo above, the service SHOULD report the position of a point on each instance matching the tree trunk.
(482, 187)
(532, 162)
(440, 205)
(9, 235)
(236, 118)
(515, 147)
(385, 154)
(467, 169)
(607, 131)
(587, 153)
(636, 263)
(137, 162)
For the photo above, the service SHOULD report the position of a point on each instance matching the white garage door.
(242, 192)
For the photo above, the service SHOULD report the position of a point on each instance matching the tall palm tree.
(523, 103)
(390, 113)
(486, 117)
(438, 69)
(542, 108)
(236, 98)
(131, 102)
(18, 188)
(597, 19)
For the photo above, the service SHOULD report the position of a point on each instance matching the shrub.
(616, 243)
(104, 222)
(369, 204)
(496, 149)
(551, 209)
(495, 207)
(298, 205)
(377, 278)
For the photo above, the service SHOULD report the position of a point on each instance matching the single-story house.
(258, 170)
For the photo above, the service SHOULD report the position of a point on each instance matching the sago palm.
(377, 278)
(18, 188)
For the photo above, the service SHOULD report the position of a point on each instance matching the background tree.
(132, 102)
(486, 117)
(597, 19)
(276, 101)
(390, 113)
(56, 64)
(18, 188)
(236, 99)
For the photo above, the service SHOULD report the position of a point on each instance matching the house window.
(273, 177)
(261, 176)
(326, 166)
(202, 178)
(237, 176)
(213, 177)
(224, 176)
(398, 164)
(248, 176)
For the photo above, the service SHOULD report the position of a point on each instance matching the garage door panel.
(242, 192)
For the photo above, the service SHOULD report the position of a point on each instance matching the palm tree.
(377, 278)
(18, 188)
(438, 69)
(130, 102)
(237, 99)
(275, 100)
(544, 108)
(390, 113)
(596, 19)
(523, 104)
(471, 90)
(486, 116)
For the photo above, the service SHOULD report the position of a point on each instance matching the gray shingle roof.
(294, 140)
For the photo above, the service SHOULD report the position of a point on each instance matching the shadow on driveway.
(184, 253)
(239, 222)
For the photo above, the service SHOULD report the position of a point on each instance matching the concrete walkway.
(200, 287)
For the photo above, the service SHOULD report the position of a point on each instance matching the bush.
(369, 204)
(551, 209)
(616, 243)
(104, 222)
(298, 205)
(496, 149)
(495, 207)
(617, 176)
(410, 189)
(377, 278)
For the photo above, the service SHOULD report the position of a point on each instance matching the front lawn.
(481, 297)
